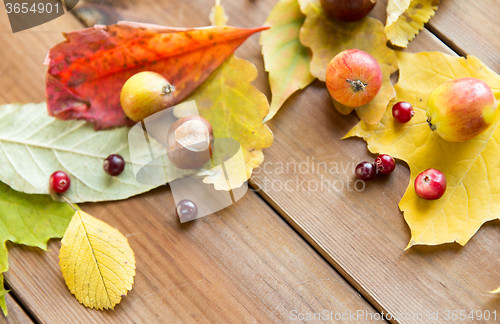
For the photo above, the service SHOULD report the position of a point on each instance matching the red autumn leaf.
(87, 71)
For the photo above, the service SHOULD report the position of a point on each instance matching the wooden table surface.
(275, 251)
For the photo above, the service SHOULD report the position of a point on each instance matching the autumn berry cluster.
(457, 110)
(60, 182)
(384, 164)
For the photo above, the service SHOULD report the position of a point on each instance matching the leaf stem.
(68, 202)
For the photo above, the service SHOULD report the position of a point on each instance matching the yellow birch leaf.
(405, 19)
(471, 168)
(328, 37)
(285, 58)
(96, 261)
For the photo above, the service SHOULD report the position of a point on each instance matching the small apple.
(190, 142)
(353, 78)
(145, 94)
(461, 109)
(348, 10)
(430, 184)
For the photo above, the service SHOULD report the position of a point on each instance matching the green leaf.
(34, 145)
(31, 220)
(286, 59)
(3, 292)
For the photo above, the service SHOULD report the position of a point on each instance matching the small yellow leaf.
(285, 58)
(471, 168)
(497, 291)
(405, 19)
(96, 261)
(218, 15)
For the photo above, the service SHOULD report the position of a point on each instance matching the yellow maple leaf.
(406, 18)
(328, 37)
(473, 194)
(96, 262)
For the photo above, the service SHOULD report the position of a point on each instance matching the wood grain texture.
(23, 54)
(471, 27)
(241, 265)
(362, 234)
(16, 314)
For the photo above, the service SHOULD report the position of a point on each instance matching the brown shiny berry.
(186, 210)
(114, 165)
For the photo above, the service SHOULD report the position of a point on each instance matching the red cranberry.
(430, 184)
(385, 164)
(366, 171)
(402, 112)
(59, 181)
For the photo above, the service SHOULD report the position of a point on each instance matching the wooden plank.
(16, 314)
(23, 54)
(362, 234)
(241, 265)
(470, 27)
